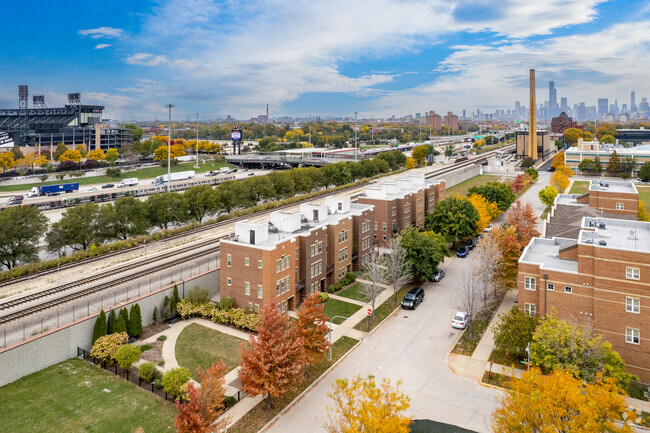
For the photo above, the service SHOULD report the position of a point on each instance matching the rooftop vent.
(602, 243)
(589, 241)
(602, 226)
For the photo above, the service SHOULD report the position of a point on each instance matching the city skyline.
(219, 59)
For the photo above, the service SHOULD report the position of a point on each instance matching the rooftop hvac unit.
(602, 226)
(602, 243)
(589, 241)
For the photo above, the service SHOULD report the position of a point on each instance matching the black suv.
(413, 298)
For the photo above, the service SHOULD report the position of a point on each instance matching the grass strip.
(381, 312)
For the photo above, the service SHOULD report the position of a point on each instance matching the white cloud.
(146, 59)
(102, 46)
(103, 32)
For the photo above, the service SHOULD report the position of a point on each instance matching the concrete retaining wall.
(458, 177)
(57, 345)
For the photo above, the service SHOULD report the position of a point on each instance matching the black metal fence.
(133, 376)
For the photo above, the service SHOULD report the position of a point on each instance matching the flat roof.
(569, 199)
(545, 253)
(616, 234)
(613, 186)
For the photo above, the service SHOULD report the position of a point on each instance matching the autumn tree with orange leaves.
(273, 358)
(312, 329)
(522, 218)
(361, 405)
(510, 247)
(204, 406)
(561, 403)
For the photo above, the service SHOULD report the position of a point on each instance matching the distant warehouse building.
(72, 124)
(633, 136)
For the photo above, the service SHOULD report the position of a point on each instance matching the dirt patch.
(153, 329)
(155, 353)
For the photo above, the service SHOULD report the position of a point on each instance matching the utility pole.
(169, 150)
(355, 135)
(197, 141)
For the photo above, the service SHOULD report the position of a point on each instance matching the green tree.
(124, 314)
(497, 192)
(18, 154)
(644, 173)
(424, 250)
(136, 130)
(394, 158)
(125, 218)
(61, 148)
(420, 154)
(126, 355)
(607, 139)
(120, 325)
(513, 331)
(99, 330)
(455, 218)
(173, 302)
(532, 173)
(282, 183)
(79, 226)
(166, 208)
(330, 174)
(201, 201)
(110, 323)
(614, 166)
(259, 188)
(113, 172)
(303, 183)
(586, 165)
(605, 130)
(20, 231)
(598, 166)
(174, 381)
(527, 163)
(547, 195)
(627, 165)
(135, 321)
(561, 345)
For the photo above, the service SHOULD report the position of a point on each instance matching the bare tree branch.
(398, 268)
(469, 294)
(375, 275)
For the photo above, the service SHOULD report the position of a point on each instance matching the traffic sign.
(369, 311)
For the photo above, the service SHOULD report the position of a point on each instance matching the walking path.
(351, 301)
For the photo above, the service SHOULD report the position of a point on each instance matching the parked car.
(460, 320)
(462, 252)
(91, 189)
(251, 174)
(108, 185)
(489, 228)
(439, 275)
(551, 169)
(413, 298)
(470, 244)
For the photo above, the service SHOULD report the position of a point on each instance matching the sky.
(321, 58)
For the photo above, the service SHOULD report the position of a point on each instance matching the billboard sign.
(236, 133)
(6, 139)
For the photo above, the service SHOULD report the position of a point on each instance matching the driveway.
(411, 347)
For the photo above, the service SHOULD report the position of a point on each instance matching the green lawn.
(463, 187)
(143, 173)
(354, 292)
(75, 396)
(644, 195)
(259, 416)
(201, 346)
(334, 307)
(383, 311)
(498, 379)
(579, 187)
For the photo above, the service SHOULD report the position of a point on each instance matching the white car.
(91, 189)
(460, 320)
(488, 228)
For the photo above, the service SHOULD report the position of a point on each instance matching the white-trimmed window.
(632, 335)
(632, 305)
(278, 265)
(394, 211)
(632, 273)
(247, 261)
(250, 306)
(257, 308)
(568, 289)
(530, 283)
(383, 226)
(376, 225)
(530, 309)
(247, 288)
(620, 206)
(260, 264)
(260, 291)
(277, 288)
(229, 260)
(229, 281)
(550, 287)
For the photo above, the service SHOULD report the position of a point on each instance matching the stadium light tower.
(169, 149)
(197, 141)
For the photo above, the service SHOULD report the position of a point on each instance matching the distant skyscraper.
(418, 115)
(564, 104)
(632, 102)
(582, 111)
(464, 114)
(603, 106)
(517, 108)
(552, 99)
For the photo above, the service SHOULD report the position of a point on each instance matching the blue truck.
(53, 189)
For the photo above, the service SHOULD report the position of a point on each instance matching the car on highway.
(91, 189)
(460, 320)
(108, 185)
(462, 252)
(251, 174)
(413, 298)
(439, 275)
(15, 200)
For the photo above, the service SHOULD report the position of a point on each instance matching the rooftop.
(613, 186)
(616, 234)
(545, 252)
(399, 187)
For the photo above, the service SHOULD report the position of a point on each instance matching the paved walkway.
(351, 301)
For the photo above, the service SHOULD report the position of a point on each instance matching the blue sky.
(335, 57)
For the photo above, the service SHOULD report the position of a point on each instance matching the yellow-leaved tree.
(487, 210)
(559, 180)
(31, 160)
(96, 154)
(6, 160)
(161, 152)
(70, 155)
(643, 213)
(361, 405)
(410, 163)
(558, 161)
(559, 403)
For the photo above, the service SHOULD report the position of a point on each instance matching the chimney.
(532, 122)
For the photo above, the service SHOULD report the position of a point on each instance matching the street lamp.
(169, 149)
(332, 318)
(197, 141)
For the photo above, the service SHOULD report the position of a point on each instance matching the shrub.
(352, 276)
(532, 173)
(155, 315)
(227, 303)
(331, 289)
(149, 372)
(323, 297)
(105, 347)
(198, 295)
(158, 383)
(174, 381)
(173, 302)
(162, 338)
(110, 323)
(135, 321)
(100, 326)
(120, 325)
(229, 401)
(126, 355)
(145, 347)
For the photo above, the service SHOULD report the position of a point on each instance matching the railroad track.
(132, 266)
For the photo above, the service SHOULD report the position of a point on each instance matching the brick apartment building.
(563, 122)
(295, 254)
(602, 277)
(401, 203)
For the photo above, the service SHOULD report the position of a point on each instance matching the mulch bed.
(153, 329)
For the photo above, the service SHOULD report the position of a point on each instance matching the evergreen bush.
(110, 323)
(120, 325)
(124, 314)
(135, 321)
(100, 326)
